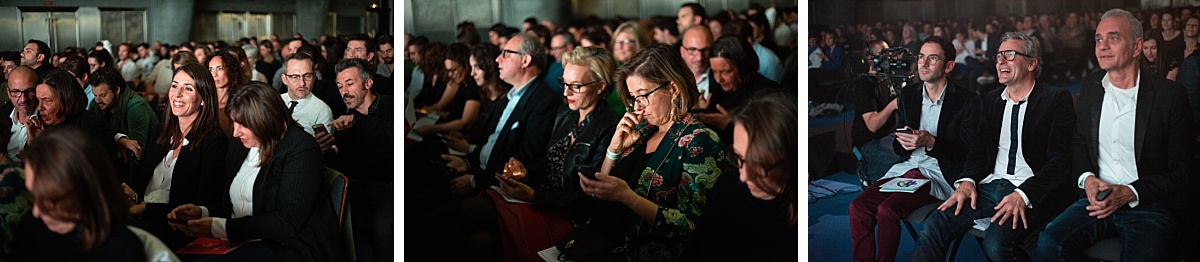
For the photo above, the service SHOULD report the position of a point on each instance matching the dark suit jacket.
(1045, 139)
(292, 210)
(1162, 138)
(196, 177)
(957, 126)
(524, 135)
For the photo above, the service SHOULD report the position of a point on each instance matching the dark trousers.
(372, 210)
(1000, 242)
(1144, 231)
(873, 208)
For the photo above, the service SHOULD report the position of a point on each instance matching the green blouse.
(678, 177)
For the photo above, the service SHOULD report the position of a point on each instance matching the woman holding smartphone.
(661, 162)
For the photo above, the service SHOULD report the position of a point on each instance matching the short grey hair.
(532, 46)
(1133, 23)
(251, 51)
(1032, 47)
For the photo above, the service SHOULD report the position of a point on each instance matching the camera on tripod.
(892, 62)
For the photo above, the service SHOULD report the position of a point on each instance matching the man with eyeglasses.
(21, 104)
(560, 44)
(937, 121)
(305, 107)
(1131, 157)
(1016, 167)
(694, 48)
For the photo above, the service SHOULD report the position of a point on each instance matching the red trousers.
(873, 208)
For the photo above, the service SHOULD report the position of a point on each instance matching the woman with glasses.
(459, 104)
(629, 39)
(226, 71)
(661, 162)
(582, 130)
(179, 166)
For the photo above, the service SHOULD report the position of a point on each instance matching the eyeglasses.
(1010, 55)
(642, 100)
(307, 77)
(930, 58)
(575, 88)
(504, 53)
(624, 42)
(695, 51)
(20, 93)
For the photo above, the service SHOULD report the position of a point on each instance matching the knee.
(998, 248)
(858, 207)
(887, 213)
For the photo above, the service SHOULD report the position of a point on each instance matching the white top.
(1021, 169)
(258, 76)
(129, 70)
(1117, 157)
(702, 85)
(814, 58)
(20, 134)
(309, 111)
(241, 193)
(930, 114)
(162, 76)
(159, 188)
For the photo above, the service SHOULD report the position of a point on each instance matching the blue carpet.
(829, 229)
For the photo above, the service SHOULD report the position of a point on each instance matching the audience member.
(60, 104)
(303, 106)
(16, 201)
(459, 105)
(22, 105)
(226, 74)
(36, 55)
(871, 132)
(729, 58)
(127, 114)
(1152, 61)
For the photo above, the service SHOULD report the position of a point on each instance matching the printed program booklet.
(903, 184)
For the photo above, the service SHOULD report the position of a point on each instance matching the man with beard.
(361, 46)
(126, 112)
(21, 105)
(365, 139)
(386, 55)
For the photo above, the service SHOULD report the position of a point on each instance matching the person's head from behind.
(597, 38)
(59, 97)
(77, 67)
(107, 86)
(259, 118)
(252, 55)
(74, 188)
(694, 49)
(22, 86)
(587, 77)
(1118, 40)
(765, 142)
(657, 85)
(182, 58)
(299, 74)
(354, 84)
(483, 65)
(935, 60)
(226, 70)
(733, 63)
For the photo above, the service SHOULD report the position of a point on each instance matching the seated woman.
(661, 162)
(759, 212)
(277, 190)
(14, 197)
(79, 212)
(1154, 63)
(581, 131)
(459, 103)
(182, 165)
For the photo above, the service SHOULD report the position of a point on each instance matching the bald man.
(694, 50)
(21, 87)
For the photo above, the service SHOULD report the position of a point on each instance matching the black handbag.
(585, 243)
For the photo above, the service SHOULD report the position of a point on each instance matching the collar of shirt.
(515, 94)
(288, 98)
(941, 97)
(1109, 87)
(1004, 95)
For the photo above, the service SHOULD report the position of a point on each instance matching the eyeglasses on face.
(575, 88)
(504, 53)
(644, 99)
(308, 77)
(1010, 55)
(695, 51)
(930, 58)
(624, 42)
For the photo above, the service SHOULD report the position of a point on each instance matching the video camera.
(893, 62)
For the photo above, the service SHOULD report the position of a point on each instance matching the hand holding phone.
(904, 130)
(177, 221)
(586, 171)
(1100, 196)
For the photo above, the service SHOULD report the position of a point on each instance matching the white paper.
(983, 223)
(508, 198)
(551, 255)
(429, 119)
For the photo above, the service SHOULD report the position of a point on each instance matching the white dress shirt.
(159, 188)
(309, 111)
(20, 134)
(702, 85)
(241, 193)
(1117, 157)
(920, 159)
(1021, 169)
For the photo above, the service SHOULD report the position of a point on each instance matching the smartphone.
(1100, 196)
(35, 115)
(177, 221)
(904, 130)
(319, 129)
(587, 172)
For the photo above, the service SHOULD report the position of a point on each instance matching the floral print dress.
(678, 176)
(15, 202)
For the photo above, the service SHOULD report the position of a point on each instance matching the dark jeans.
(1000, 242)
(372, 211)
(873, 208)
(1144, 231)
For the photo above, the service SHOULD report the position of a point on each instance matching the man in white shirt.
(1132, 156)
(306, 108)
(22, 103)
(1019, 160)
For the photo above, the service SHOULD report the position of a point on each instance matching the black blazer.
(292, 210)
(957, 126)
(591, 142)
(1045, 139)
(524, 134)
(1162, 138)
(197, 177)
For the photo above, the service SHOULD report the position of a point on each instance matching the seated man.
(299, 75)
(1132, 152)
(1020, 158)
(126, 112)
(939, 122)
